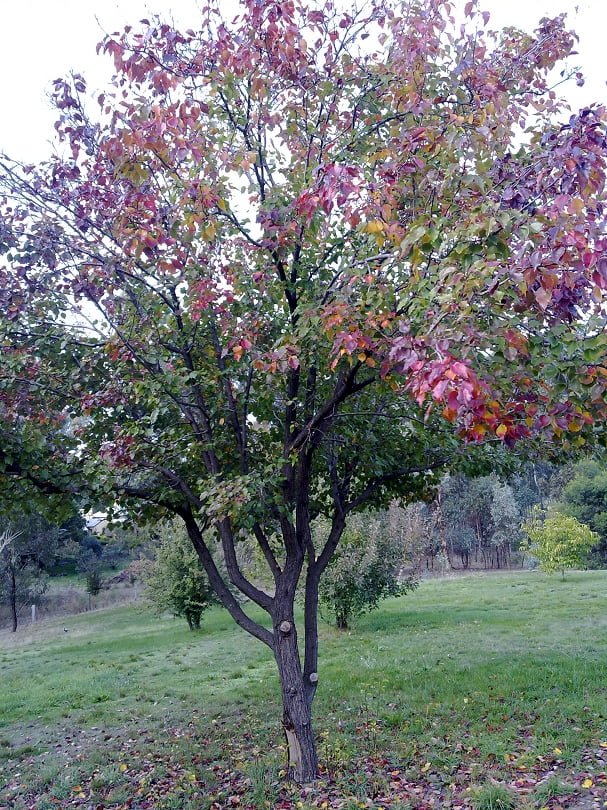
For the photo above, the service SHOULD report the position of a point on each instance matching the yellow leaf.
(426, 767)
(603, 744)
(576, 206)
(122, 767)
(587, 783)
(557, 751)
(501, 431)
(209, 231)
(375, 226)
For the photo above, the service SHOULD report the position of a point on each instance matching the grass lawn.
(482, 691)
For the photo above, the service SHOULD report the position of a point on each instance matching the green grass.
(459, 687)
(494, 797)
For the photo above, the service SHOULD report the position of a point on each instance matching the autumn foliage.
(296, 262)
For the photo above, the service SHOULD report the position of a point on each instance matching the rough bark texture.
(297, 707)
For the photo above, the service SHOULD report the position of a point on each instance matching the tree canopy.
(297, 262)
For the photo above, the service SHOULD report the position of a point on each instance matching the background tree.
(175, 579)
(466, 508)
(506, 520)
(559, 542)
(89, 563)
(365, 569)
(585, 498)
(412, 527)
(297, 264)
(28, 545)
(535, 483)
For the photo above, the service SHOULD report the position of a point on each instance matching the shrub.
(365, 569)
(175, 581)
(559, 542)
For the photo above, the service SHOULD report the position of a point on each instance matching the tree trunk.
(13, 600)
(441, 531)
(341, 620)
(297, 705)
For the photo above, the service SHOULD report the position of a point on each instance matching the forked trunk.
(297, 698)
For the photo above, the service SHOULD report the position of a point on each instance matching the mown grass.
(498, 677)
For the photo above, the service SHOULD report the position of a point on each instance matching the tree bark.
(297, 704)
(13, 600)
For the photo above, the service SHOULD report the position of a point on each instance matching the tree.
(27, 547)
(412, 526)
(585, 498)
(560, 542)
(466, 512)
(89, 563)
(506, 519)
(535, 483)
(175, 580)
(298, 264)
(365, 569)
(74, 542)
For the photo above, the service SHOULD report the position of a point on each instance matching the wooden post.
(33, 614)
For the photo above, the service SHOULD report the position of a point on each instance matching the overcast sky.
(43, 39)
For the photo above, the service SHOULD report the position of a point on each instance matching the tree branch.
(227, 598)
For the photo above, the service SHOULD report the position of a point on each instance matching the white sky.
(41, 40)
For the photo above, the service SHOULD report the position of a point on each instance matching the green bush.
(365, 569)
(559, 542)
(175, 580)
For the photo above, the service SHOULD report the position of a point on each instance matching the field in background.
(467, 686)
(66, 595)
